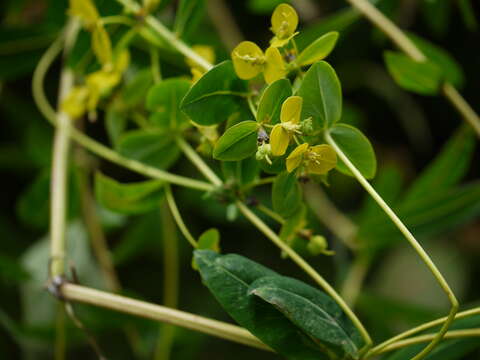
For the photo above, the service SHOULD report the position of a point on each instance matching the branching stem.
(411, 239)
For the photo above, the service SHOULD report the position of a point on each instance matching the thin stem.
(353, 283)
(92, 145)
(255, 220)
(155, 64)
(271, 213)
(196, 160)
(340, 225)
(170, 281)
(411, 239)
(408, 47)
(61, 145)
(251, 106)
(453, 334)
(167, 35)
(161, 313)
(259, 182)
(420, 328)
(452, 94)
(178, 218)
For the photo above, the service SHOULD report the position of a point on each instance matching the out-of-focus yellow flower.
(75, 102)
(86, 11)
(284, 23)
(318, 159)
(289, 124)
(205, 52)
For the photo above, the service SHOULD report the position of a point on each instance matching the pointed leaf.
(318, 50)
(271, 101)
(286, 194)
(238, 142)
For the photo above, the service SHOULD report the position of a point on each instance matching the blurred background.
(407, 131)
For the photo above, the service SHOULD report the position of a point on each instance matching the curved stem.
(178, 218)
(411, 239)
(453, 334)
(413, 331)
(408, 47)
(270, 213)
(193, 156)
(255, 220)
(166, 34)
(90, 144)
(161, 313)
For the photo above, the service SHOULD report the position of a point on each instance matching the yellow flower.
(289, 124)
(248, 60)
(284, 23)
(86, 11)
(75, 102)
(205, 52)
(318, 159)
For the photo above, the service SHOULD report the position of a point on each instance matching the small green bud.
(306, 126)
(263, 152)
(318, 245)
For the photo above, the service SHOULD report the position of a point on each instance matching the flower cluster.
(249, 60)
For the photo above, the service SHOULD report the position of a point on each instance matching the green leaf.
(423, 78)
(134, 92)
(312, 311)
(322, 95)
(163, 100)
(286, 194)
(115, 123)
(131, 198)
(216, 96)
(228, 278)
(156, 148)
(209, 240)
(451, 71)
(447, 169)
(318, 50)
(238, 142)
(293, 224)
(241, 172)
(271, 101)
(357, 148)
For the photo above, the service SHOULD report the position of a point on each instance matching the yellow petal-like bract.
(85, 10)
(279, 140)
(75, 104)
(101, 45)
(296, 156)
(321, 159)
(274, 66)
(284, 21)
(247, 60)
(291, 109)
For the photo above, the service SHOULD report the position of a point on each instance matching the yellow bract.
(101, 45)
(274, 66)
(296, 156)
(85, 10)
(248, 60)
(291, 109)
(284, 21)
(279, 140)
(318, 159)
(75, 102)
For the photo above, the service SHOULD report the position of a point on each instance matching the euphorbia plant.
(272, 116)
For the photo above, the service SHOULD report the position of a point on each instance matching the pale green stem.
(196, 160)
(420, 328)
(117, 19)
(271, 213)
(170, 282)
(178, 218)
(61, 147)
(143, 309)
(92, 145)
(453, 334)
(255, 220)
(408, 47)
(167, 35)
(260, 182)
(251, 106)
(411, 239)
(155, 65)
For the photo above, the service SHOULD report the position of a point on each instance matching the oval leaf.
(312, 311)
(215, 96)
(286, 194)
(132, 198)
(422, 78)
(228, 277)
(318, 50)
(357, 148)
(238, 142)
(271, 101)
(322, 95)
(163, 100)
